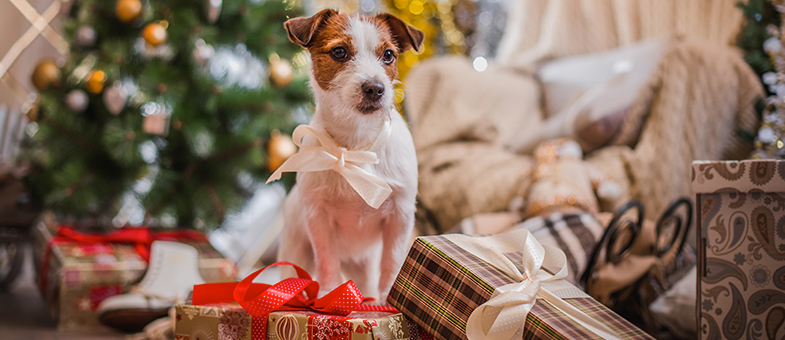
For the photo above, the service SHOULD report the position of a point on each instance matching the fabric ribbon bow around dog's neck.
(328, 155)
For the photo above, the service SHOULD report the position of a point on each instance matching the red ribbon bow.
(140, 237)
(299, 293)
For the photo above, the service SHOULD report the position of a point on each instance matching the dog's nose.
(373, 89)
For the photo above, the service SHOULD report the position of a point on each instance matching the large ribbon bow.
(328, 155)
(503, 316)
(299, 293)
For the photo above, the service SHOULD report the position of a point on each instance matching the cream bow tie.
(503, 316)
(328, 155)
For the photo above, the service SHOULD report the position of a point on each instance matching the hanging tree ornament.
(115, 98)
(128, 10)
(202, 53)
(85, 36)
(281, 71)
(279, 148)
(155, 33)
(46, 74)
(95, 81)
(32, 111)
(213, 10)
(156, 118)
(77, 100)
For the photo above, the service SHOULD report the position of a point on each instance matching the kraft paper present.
(77, 277)
(230, 321)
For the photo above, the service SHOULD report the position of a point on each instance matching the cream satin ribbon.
(503, 316)
(328, 155)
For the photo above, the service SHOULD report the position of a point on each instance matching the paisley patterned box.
(230, 322)
(741, 250)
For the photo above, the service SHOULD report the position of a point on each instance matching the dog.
(329, 229)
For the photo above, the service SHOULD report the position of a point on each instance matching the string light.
(434, 18)
(480, 64)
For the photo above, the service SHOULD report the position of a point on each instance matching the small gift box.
(741, 248)
(246, 310)
(76, 271)
(499, 287)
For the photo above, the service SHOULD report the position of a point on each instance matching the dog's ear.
(405, 35)
(301, 29)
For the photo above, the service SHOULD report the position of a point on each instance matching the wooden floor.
(23, 314)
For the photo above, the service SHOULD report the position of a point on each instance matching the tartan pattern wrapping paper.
(440, 284)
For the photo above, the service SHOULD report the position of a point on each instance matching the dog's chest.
(329, 193)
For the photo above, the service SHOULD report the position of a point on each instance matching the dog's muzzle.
(372, 93)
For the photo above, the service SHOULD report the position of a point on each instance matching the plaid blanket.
(575, 234)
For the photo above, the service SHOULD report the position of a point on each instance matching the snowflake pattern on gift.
(395, 326)
(233, 325)
(760, 275)
(190, 312)
(325, 327)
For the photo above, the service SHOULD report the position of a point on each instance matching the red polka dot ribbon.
(299, 293)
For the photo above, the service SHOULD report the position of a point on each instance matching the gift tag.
(157, 124)
(156, 118)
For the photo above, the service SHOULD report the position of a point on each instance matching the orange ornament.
(128, 10)
(154, 34)
(279, 149)
(95, 82)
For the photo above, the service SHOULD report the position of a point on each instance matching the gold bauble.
(128, 10)
(154, 34)
(46, 74)
(32, 113)
(95, 82)
(279, 148)
(281, 72)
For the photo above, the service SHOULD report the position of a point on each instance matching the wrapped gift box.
(441, 284)
(741, 248)
(230, 321)
(75, 277)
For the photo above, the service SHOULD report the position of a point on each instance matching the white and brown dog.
(330, 230)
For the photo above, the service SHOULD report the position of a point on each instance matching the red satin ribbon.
(299, 293)
(140, 237)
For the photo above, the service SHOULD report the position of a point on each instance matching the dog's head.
(354, 58)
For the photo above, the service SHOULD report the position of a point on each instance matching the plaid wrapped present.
(77, 271)
(442, 283)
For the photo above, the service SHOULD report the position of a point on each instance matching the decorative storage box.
(230, 321)
(74, 277)
(741, 249)
(441, 284)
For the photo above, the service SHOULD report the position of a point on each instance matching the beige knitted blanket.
(700, 97)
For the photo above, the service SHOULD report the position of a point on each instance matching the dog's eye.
(388, 57)
(338, 53)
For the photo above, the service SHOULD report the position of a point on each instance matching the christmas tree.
(762, 23)
(173, 104)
